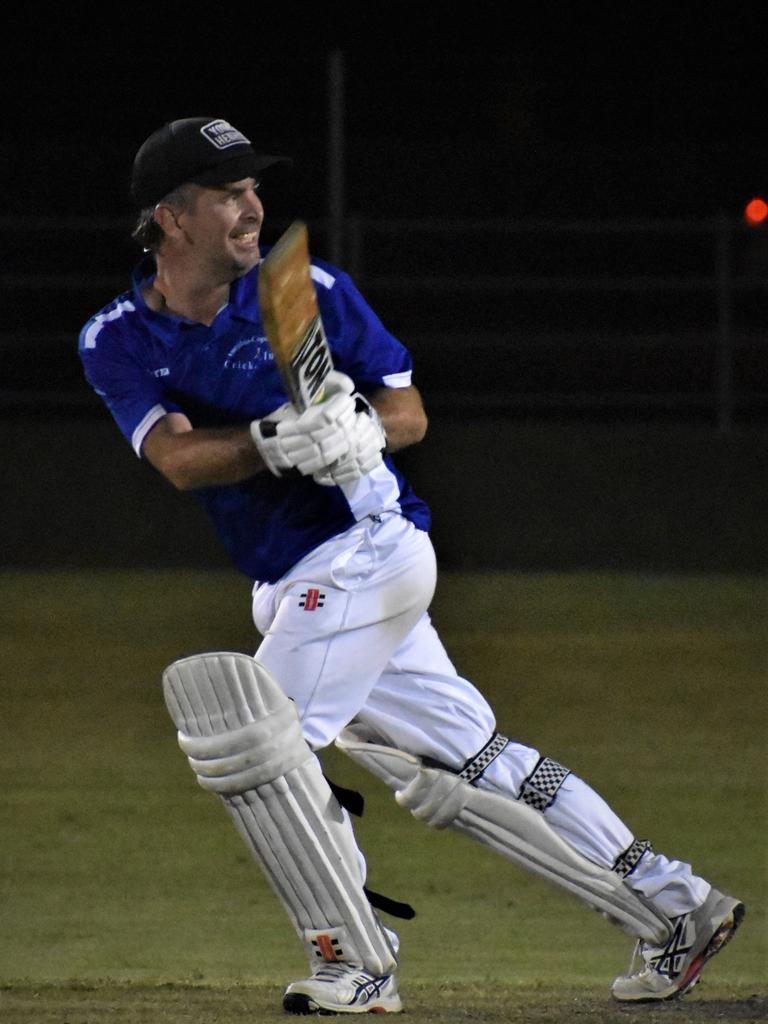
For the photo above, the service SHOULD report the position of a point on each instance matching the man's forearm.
(209, 457)
(191, 459)
(402, 415)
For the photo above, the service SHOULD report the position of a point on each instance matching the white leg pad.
(511, 828)
(243, 739)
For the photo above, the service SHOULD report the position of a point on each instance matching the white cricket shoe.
(343, 988)
(669, 971)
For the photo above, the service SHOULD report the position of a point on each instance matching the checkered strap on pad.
(477, 764)
(540, 788)
(628, 860)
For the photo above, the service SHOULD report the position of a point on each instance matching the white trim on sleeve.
(322, 277)
(398, 380)
(89, 341)
(137, 439)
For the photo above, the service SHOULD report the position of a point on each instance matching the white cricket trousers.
(347, 634)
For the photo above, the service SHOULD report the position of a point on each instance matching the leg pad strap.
(508, 826)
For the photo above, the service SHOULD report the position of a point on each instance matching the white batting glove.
(369, 442)
(266, 435)
(336, 383)
(324, 432)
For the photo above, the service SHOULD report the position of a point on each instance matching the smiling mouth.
(246, 236)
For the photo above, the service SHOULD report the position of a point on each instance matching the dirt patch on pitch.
(172, 1004)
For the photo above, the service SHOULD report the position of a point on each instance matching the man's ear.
(167, 218)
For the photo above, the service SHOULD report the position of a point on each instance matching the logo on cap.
(222, 135)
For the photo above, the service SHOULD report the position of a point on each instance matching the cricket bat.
(292, 319)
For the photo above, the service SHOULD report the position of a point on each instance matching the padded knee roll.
(243, 739)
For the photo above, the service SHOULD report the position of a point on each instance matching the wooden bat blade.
(292, 318)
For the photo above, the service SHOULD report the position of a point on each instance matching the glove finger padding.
(337, 382)
(310, 453)
(265, 434)
(336, 441)
(338, 411)
(366, 455)
(320, 435)
(371, 437)
(369, 442)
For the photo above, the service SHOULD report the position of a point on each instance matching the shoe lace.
(637, 962)
(648, 958)
(330, 971)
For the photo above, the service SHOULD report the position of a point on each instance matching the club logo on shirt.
(312, 599)
(258, 352)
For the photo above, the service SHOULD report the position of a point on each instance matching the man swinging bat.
(307, 499)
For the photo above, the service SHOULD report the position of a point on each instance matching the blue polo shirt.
(145, 364)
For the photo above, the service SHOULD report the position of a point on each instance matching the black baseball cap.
(204, 150)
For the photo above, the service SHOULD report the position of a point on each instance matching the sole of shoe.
(302, 1006)
(719, 941)
(721, 937)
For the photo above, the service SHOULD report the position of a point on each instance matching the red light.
(756, 211)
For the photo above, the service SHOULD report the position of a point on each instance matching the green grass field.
(127, 895)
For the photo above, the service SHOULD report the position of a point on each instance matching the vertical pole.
(354, 248)
(336, 157)
(724, 284)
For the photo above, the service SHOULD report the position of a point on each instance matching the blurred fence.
(620, 318)
(629, 317)
(652, 335)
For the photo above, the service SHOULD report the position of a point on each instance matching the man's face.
(219, 230)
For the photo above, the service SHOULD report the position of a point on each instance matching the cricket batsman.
(311, 506)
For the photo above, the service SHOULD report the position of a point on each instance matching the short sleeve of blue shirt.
(361, 345)
(133, 395)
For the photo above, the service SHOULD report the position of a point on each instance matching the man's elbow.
(182, 481)
(172, 463)
(406, 432)
(178, 474)
(420, 428)
(167, 448)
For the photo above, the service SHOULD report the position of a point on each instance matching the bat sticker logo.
(311, 364)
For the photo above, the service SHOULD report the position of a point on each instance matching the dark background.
(565, 109)
(562, 113)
